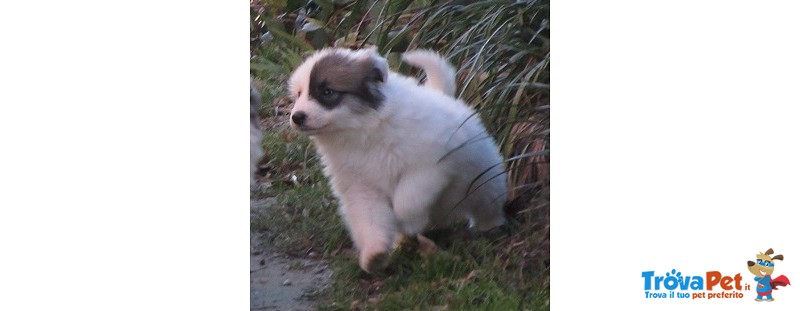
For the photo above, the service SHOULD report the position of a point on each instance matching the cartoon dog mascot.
(762, 269)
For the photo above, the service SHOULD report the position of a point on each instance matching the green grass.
(467, 275)
(303, 217)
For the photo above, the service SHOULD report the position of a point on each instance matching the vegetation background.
(501, 51)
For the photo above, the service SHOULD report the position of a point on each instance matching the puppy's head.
(334, 88)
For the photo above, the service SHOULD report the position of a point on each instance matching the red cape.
(779, 281)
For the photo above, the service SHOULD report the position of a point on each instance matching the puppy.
(401, 158)
(256, 151)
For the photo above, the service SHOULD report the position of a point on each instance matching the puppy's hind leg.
(487, 211)
(372, 227)
(414, 197)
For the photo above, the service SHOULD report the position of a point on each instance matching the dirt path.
(280, 282)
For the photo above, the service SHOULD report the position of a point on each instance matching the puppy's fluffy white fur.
(400, 157)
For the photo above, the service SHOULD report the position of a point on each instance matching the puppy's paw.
(373, 262)
(426, 247)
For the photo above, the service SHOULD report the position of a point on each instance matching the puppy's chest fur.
(364, 161)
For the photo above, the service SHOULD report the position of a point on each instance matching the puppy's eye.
(327, 92)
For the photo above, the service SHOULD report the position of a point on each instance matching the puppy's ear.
(380, 70)
(374, 72)
(379, 67)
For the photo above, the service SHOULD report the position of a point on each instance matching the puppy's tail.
(441, 75)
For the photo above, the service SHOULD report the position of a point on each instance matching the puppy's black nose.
(299, 117)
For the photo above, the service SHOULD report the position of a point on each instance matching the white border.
(124, 136)
(674, 126)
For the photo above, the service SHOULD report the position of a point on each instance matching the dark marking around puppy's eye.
(326, 92)
(336, 76)
(326, 97)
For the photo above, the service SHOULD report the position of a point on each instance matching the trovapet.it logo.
(714, 284)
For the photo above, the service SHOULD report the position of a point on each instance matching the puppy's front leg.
(372, 227)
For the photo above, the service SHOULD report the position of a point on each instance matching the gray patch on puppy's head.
(335, 77)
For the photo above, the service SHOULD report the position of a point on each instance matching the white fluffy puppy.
(400, 157)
